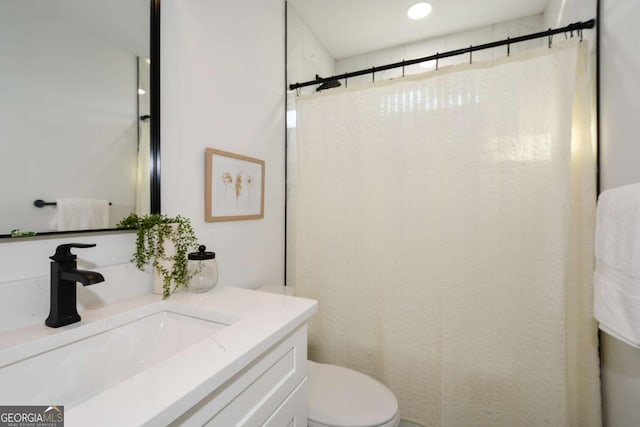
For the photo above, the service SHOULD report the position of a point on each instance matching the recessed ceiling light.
(419, 10)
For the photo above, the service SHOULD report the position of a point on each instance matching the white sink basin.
(98, 356)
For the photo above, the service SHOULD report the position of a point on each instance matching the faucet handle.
(63, 252)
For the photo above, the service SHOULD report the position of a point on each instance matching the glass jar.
(203, 270)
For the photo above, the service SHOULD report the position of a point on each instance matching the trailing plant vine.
(152, 232)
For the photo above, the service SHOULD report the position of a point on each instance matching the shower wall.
(306, 55)
(498, 31)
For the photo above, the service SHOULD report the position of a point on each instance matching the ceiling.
(352, 27)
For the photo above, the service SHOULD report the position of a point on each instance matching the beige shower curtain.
(444, 223)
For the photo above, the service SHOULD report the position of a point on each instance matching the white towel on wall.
(617, 275)
(82, 214)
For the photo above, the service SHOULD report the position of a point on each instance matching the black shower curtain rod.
(577, 26)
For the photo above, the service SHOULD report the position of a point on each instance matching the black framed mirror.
(154, 44)
(81, 85)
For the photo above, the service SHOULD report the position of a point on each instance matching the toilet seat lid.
(343, 397)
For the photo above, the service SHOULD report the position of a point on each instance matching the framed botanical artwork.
(234, 187)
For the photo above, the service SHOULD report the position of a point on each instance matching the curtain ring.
(437, 59)
(565, 35)
(403, 68)
(580, 33)
(298, 91)
(373, 74)
(470, 54)
(550, 39)
(508, 47)
(345, 80)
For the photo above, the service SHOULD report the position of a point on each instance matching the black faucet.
(64, 275)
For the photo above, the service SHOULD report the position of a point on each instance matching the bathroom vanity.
(224, 358)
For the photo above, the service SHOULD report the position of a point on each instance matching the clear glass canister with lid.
(203, 270)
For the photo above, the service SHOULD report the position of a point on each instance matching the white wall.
(620, 159)
(222, 87)
(620, 88)
(65, 91)
(620, 165)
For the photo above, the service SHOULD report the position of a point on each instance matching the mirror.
(79, 114)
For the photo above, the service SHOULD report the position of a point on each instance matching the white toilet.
(341, 397)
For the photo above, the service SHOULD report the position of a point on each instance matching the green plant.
(152, 232)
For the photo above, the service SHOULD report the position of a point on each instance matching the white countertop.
(159, 394)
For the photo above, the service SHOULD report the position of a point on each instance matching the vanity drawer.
(293, 411)
(256, 392)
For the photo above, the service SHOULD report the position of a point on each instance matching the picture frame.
(234, 186)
